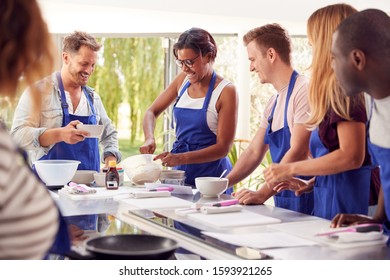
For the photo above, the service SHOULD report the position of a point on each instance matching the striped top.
(28, 215)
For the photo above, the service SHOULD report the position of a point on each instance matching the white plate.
(95, 130)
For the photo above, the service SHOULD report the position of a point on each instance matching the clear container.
(121, 173)
(172, 177)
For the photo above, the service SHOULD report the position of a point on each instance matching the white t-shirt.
(186, 101)
(83, 107)
(379, 131)
(297, 110)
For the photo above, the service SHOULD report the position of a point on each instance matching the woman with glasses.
(204, 112)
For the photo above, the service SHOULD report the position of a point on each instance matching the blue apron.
(279, 144)
(345, 192)
(192, 134)
(62, 243)
(87, 151)
(381, 157)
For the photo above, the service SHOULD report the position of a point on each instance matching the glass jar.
(172, 177)
(121, 175)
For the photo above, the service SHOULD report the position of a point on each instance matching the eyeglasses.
(187, 62)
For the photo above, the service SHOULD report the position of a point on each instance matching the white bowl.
(56, 172)
(95, 130)
(100, 179)
(211, 186)
(83, 176)
(142, 169)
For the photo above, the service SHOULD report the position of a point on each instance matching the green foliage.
(106, 80)
(233, 154)
(131, 70)
(144, 78)
(129, 149)
(256, 179)
(267, 160)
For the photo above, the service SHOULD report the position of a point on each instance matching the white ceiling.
(175, 16)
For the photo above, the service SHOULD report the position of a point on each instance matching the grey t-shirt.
(380, 121)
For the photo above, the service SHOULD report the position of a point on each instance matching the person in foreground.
(29, 219)
(53, 134)
(282, 129)
(342, 167)
(205, 111)
(361, 61)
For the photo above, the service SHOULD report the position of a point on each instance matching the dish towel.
(147, 194)
(208, 210)
(348, 237)
(217, 210)
(74, 188)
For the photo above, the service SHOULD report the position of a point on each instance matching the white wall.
(175, 16)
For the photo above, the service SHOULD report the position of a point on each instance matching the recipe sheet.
(154, 203)
(309, 229)
(261, 240)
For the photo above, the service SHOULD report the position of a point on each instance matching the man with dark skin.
(361, 61)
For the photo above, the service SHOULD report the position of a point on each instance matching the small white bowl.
(100, 179)
(83, 177)
(95, 130)
(211, 186)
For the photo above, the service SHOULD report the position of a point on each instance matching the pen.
(358, 228)
(161, 189)
(225, 203)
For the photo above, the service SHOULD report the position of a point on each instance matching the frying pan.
(131, 247)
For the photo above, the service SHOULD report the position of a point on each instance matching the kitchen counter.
(210, 241)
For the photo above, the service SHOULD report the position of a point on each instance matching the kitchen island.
(259, 232)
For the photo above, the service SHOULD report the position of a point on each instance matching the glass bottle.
(112, 176)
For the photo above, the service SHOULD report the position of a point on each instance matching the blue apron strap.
(291, 85)
(271, 116)
(90, 102)
(209, 91)
(64, 104)
(177, 100)
(207, 99)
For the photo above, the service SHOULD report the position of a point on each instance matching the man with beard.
(53, 133)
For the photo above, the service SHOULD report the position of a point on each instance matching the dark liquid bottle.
(112, 176)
